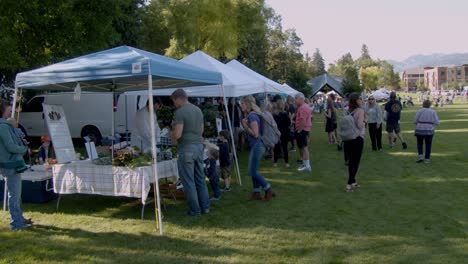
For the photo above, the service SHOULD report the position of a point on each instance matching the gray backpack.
(270, 135)
(348, 129)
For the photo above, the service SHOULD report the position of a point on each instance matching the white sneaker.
(301, 168)
(305, 168)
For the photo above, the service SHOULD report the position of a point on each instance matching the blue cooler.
(37, 186)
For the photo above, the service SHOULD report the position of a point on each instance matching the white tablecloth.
(87, 178)
(38, 173)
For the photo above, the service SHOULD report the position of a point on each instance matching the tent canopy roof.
(235, 82)
(270, 86)
(326, 80)
(118, 69)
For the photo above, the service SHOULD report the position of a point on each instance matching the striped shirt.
(425, 121)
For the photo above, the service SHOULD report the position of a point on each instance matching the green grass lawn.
(403, 213)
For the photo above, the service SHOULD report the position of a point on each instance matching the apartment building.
(411, 78)
(436, 78)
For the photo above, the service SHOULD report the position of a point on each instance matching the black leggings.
(375, 135)
(281, 146)
(354, 150)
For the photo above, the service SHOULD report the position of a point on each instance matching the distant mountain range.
(436, 59)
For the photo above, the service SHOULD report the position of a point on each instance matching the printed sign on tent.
(59, 133)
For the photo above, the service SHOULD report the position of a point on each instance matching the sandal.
(349, 188)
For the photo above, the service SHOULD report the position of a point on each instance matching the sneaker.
(255, 196)
(427, 161)
(206, 211)
(226, 189)
(269, 194)
(23, 227)
(215, 198)
(305, 168)
(404, 145)
(301, 168)
(420, 159)
(286, 165)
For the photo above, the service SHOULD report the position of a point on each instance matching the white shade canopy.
(235, 82)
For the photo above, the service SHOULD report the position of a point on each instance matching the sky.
(391, 29)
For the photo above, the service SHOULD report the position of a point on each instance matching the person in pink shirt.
(303, 125)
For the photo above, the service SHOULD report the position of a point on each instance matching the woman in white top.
(374, 122)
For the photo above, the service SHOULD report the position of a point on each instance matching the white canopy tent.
(289, 90)
(269, 86)
(235, 84)
(117, 70)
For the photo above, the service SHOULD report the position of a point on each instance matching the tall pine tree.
(317, 64)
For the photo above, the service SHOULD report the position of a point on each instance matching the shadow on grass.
(64, 245)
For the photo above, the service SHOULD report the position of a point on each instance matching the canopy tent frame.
(124, 58)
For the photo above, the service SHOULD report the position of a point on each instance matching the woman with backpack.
(355, 144)
(253, 127)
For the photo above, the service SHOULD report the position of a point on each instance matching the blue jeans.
(428, 140)
(190, 165)
(13, 181)
(256, 154)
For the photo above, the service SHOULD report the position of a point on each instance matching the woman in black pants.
(354, 147)
(283, 122)
(374, 121)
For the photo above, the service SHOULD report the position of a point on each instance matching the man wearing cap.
(141, 131)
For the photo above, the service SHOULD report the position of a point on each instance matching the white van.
(90, 116)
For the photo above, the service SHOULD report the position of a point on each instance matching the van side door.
(32, 117)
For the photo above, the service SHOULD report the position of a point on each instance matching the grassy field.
(403, 213)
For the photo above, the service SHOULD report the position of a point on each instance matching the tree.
(202, 25)
(365, 60)
(339, 68)
(317, 64)
(370, 78)
(37, 33)
(252, 21)
(351, 81)
(421, 86)
(388, 78)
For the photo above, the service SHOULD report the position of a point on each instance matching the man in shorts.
(392, 116)
(303, 125)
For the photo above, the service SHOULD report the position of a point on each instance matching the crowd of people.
(293, 118)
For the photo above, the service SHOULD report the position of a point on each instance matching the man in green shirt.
(187, 130)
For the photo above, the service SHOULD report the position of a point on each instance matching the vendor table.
(84, 177)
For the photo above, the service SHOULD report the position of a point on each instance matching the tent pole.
(157, 202)
(232, 136)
